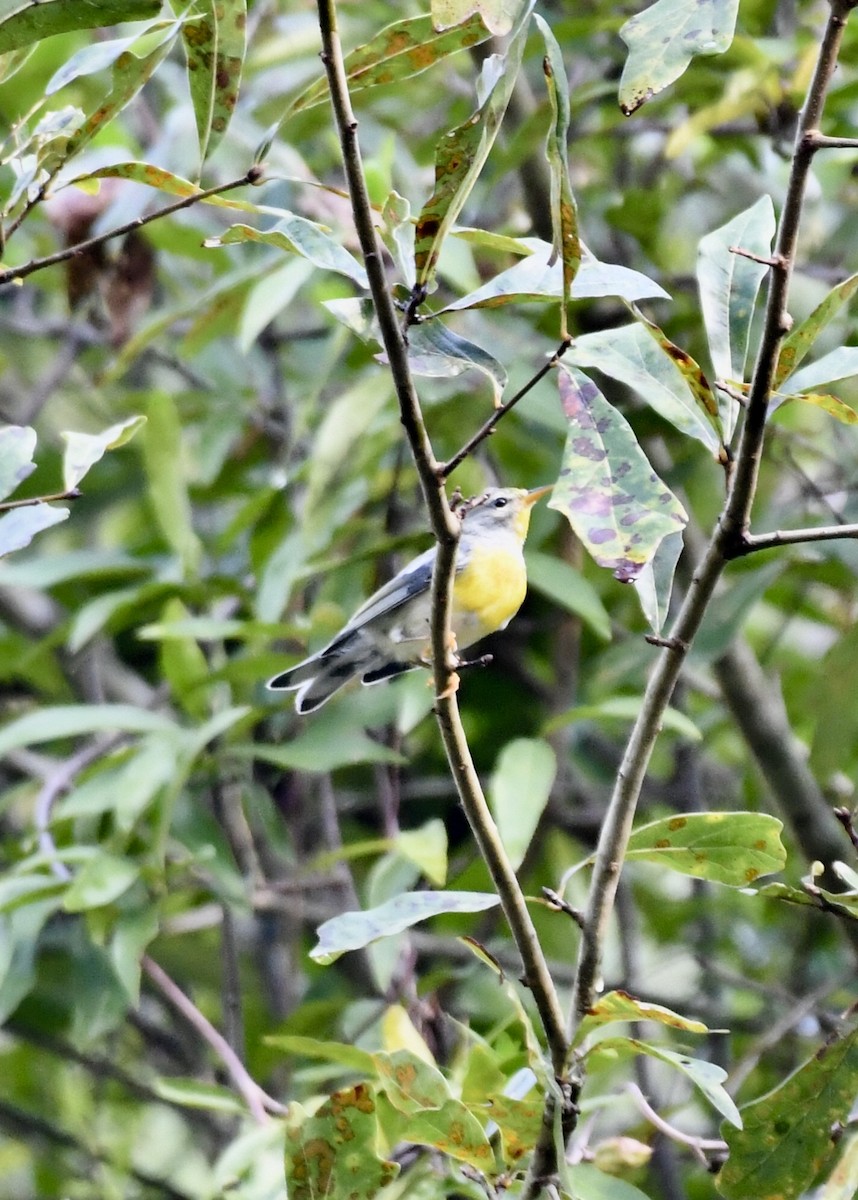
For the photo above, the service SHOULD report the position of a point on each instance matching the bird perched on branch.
(389, 634)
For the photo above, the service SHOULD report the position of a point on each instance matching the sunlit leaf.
(22, 22)
(787, 1135)
(498, 15)
(590, 1183)
(214, 44)
(519, 791)
(734, 848)
(607, 490)
(427, 847)
(797, 344)
(620, 1006)
(690, 371)
(164, 181)
(519, 1123)
(191, 1093)
(841, 363)
(84, 450)
(17, 445)
(832, 405)
(354, 930)
(297, 235)
(165, 467)
(663, 39)
(342, 1053)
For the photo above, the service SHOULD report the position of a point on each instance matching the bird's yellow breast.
(488, 591)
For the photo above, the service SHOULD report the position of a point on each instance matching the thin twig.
(696, 1144)
(54, 786)
(72, 494)
(257, 1100)
(752, 542)
(252, 176)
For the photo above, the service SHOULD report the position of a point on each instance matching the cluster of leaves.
(158, 808)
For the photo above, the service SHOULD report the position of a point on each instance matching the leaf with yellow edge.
(620, 1006)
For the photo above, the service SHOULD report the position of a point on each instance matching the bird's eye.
(501, 502)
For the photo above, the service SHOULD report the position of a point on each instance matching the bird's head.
(501, 510)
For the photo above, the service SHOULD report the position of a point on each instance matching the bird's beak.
(537, 494)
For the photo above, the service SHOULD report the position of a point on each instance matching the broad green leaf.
(427, 847)
(830, 404)
(734, 848)
(410, 1082)
(347, 419)
(499, 15)
(297, 235)
(398, 1032)
(125, 789)
(564, 214)
(190, 1093)
(519, 790)
(842, 1183)
(607, 490)
(799, 342)
(214, 44)
(19, 944)
(566, 586)
(625, 708)
(342, 1053)
(663, 39)
(728, 283)
(354, 930)
(787, 1134)
(168, 490)
(629, 354)
(590, 1183)
(19, 526)
(519, 1123)
(51, 723)
(100, 881)
(620, 1006)
(453, 1130)
(706, 1076)
(92, 58)
(539, 276)
(269, 297)
(17, 445)
(654, 585)
(399, 51)
(134, 929)
(323, 747)
(333, 1152)
(84, 450)
(22, 22)
(841, 363)
(436, 351)
(690, 371)
(462, 152)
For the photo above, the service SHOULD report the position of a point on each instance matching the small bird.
(389, 634)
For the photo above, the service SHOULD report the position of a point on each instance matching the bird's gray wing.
(411, 581)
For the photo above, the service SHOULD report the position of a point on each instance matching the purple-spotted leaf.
(20, 526)
(22, 22)
(663, 39)
(498, 15)
(333, 1152)
(436, 351)
(631, 355)
(564, 214)
(539, 276)
(841, 363)
(607, 490)
(706, 1076)
(834, 406)
(83, 450)
(354, 930)
(619, 1006)
(787, 1138)
(17, 443)
(728, 283)
(461, 153)
(798, 343)
(733, 848)
(214, 45)
(398, 52)
(297, 235)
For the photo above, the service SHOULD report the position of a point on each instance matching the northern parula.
(389, 634)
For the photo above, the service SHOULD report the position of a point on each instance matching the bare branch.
(751, 542)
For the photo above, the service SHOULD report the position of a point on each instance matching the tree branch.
(750, 543)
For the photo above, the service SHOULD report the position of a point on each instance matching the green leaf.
(706, 1076)
(566, 586)
(690, 371)
(168, 492)
(17, 445)
(631, 355)
(399, 51)
(214, 44)
(830, 404)
(620, 1006)
(342, 1053)
(654, 585)
(831, 713)
(164, 181)
(734, 848)
(52, 723)
(411, 1083)
(499, 15)
(624, 708)
(607, 490)
(663, 39)
(842, 1183)
(519, 790)
(787, 1135)
(841, 363)
(316, 750)
(20, 526)
(539, 276)
(126, 789)
(728, 283)
(22, 22)
(100, 881)
(799, 342)
(354, 930)
(590, 1183)
(564, 213)
(436, 351)
(19, 943)
(190, 1093)
(332, 1153)
(427, 848)
(269, 297)
(462, 152)
(297, 235)
(519, 1123)
(84, 450)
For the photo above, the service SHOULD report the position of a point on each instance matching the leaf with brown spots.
(519, 1122)
(787, 1139)
(333, 1152)
(620, 1006)
(214, 46)
(733, 848)
(834, 406)
(797, 344)
(607, 490)
(690, 371)
(498, 15)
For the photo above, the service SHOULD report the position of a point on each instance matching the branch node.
(558, 904)
(667, 643)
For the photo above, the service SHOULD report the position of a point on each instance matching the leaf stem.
(71, 494)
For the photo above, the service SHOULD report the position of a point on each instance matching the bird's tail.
(317, 678)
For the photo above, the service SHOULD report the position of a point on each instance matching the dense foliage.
(208, 437)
